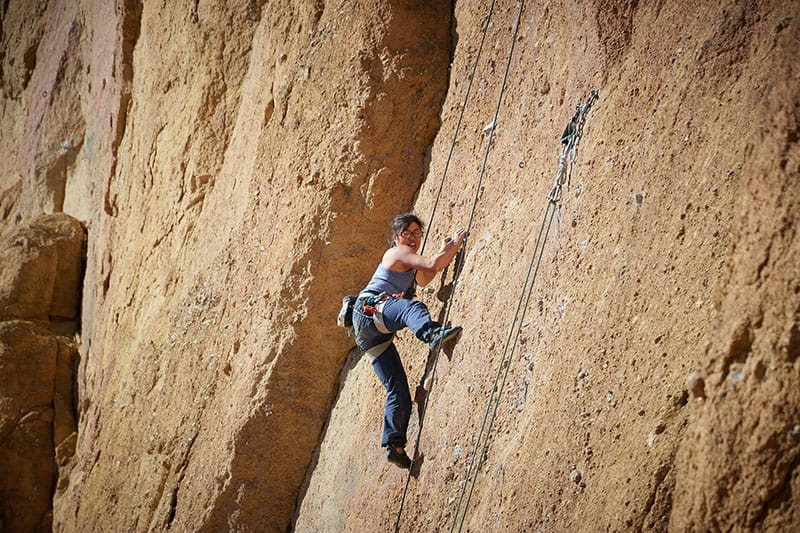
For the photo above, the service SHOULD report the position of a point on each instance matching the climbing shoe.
(396, 454)
(441, 335)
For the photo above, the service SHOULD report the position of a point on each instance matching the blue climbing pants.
(396, 314)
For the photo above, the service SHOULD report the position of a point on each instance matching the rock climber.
(386, 305)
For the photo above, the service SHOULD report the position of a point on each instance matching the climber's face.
(411, 236)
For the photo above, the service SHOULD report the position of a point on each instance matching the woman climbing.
(386, 306)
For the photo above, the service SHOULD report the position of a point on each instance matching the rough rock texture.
(237, 165)
(39, 303)
(42, 270)
(37, 421)
(221, 173)
(675, 250)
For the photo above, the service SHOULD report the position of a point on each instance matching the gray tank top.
(389, 281)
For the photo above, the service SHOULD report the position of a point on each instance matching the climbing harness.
(461, 257)
(570, 139)
(371, 305)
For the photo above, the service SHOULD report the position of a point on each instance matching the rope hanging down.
(459, 263)
(458, 124)
(570, 138)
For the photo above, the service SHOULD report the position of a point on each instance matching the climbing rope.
(458, 124)
(570, 138)
(459, 262)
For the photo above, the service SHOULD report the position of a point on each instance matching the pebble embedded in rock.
(696, 385)
(576, 476)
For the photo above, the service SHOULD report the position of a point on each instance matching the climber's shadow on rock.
(416, 464)
(424, 386)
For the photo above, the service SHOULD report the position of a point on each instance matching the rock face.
(237, 166)
(42, 270)
(39, 303)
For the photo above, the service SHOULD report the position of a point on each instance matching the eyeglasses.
(416, 233)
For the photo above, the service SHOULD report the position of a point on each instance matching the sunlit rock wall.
(236, 166)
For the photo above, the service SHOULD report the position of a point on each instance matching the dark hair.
(402, 222)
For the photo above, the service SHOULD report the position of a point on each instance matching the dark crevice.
(793, 344)
(453, 39)
(29, 59)
(173, 503)
(131, 25)
(79, 324)
(255, 10)
(792, 136)
(317, 10)
(108, 264)
(2, 39)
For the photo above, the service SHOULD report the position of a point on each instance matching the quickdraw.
(372, 302)
(570, 139)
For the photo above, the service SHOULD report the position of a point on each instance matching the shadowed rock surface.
(39, 303)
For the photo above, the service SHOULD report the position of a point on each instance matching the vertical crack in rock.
(453, 40)
(106, 270)
(353, 357)
(130, 28)
(659, 500)
(173, 504)
(793, 340)
(268, 112)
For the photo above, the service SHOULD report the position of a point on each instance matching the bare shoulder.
(392, 258)
(398, 258)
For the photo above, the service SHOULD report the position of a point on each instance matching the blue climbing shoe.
(396, 454)
(441, 335)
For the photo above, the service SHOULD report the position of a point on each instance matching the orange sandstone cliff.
(188, 188)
